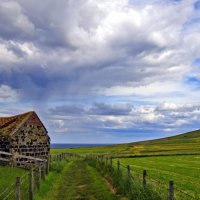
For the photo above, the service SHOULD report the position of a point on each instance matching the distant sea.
(61, 146)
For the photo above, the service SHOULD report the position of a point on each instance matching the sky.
(102, 71)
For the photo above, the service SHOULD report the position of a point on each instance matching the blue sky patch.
(197, 5)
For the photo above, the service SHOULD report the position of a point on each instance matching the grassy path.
(79, 181)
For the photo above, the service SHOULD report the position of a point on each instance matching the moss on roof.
(8, 125)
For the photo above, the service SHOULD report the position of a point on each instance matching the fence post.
(31, 184)
(129, 172)
(118, 171)
(144, 178)
(171, 190)
(128, 178)
(18, 185)
(118, 167)
(50, 158)
(43, 171)
(13, 160)
(47, 166)
(39, 177)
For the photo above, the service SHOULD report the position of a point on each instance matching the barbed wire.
(9, 194)
(7, 189)
(159, 183)
(185, 193)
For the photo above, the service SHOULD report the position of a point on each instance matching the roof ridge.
(12, 116)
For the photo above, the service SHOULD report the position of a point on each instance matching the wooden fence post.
(43, 171)
(128, 178)
(50, 158)
(47, 166)
(129, 172)
(118, 171)
(144, 178)
(118, 167)
(18, 185)
(13, 160)
(39, 177)
(31, 184)
(171, 190)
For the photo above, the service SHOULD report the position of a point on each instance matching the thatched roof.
(9, 125)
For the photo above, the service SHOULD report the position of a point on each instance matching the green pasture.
(174, 158)
(183, 170)
(188, 143)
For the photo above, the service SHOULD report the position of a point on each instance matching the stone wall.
(4, 143)
(31, 139)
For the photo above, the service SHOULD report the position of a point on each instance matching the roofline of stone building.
(22, 122)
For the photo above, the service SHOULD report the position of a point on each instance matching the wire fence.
(26, 186)
(8, 193)
(134, 184)
(137, 184)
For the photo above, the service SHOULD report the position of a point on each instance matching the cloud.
(128, 56)
(7, 94)
(119, 44)
(167, 116)
(13, 21)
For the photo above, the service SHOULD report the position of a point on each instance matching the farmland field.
(183, 170)
(180, 160)
(187, 143)
(175, 158)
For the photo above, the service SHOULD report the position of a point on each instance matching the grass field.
(187, 143)
(179, 162)
(183, 170)
(164, 159)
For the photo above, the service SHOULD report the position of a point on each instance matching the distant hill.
(187, 143)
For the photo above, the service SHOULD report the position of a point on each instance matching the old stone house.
(24, 134)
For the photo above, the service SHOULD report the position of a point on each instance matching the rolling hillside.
(187, 143)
